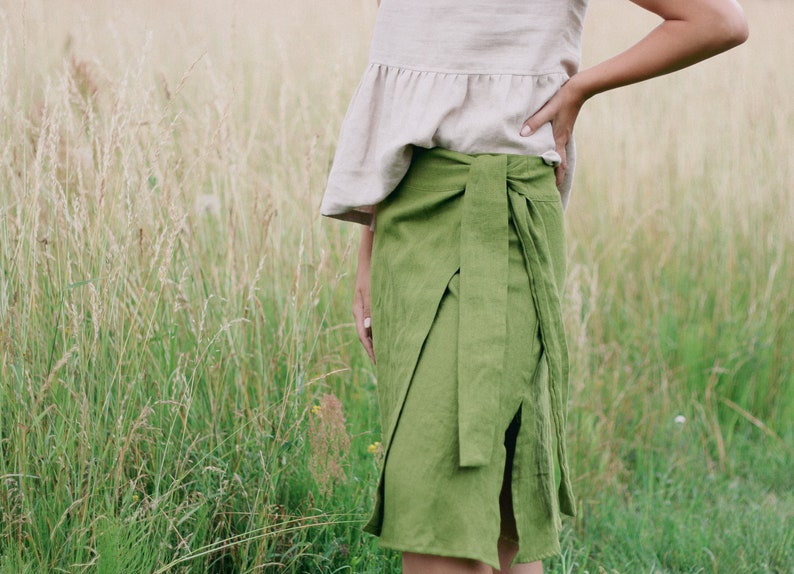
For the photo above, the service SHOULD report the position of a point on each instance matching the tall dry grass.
(166, 284)
(172, 306)
(680, 293)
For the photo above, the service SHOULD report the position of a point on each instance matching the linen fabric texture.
(458, 74)
(468, 265)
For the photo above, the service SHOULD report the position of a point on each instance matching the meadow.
(181, 387)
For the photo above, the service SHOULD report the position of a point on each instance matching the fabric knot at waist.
(498, 188)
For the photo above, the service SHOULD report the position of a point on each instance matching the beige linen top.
(457, 74)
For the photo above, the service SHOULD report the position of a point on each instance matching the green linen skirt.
(468, 265)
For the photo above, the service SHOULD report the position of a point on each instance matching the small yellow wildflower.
(374, 447)
(316, 409)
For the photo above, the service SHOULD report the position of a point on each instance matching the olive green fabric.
(468, 265)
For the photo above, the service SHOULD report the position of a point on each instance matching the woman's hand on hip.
(361, 296)
(561, 111)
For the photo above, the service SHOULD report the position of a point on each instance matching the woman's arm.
(693, 30)
(361, 296)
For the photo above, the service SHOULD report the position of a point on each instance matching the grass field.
(175, 323)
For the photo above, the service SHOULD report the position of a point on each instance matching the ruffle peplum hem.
(396, 108)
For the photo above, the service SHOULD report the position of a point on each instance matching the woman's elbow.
(734, 29)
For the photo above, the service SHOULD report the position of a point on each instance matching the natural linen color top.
(456, 74)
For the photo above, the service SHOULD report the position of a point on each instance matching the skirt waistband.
(440, 169)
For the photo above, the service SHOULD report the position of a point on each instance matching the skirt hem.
(452, 553)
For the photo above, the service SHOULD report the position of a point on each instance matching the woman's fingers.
(534, 122)
(559, 171)
(561, 112)
(560, 139)
(363, 317)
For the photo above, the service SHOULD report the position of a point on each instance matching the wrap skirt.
(468, 266)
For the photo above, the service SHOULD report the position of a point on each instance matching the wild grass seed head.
(329, 443)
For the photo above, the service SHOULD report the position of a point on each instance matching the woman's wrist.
(365, 245)
(578, 90)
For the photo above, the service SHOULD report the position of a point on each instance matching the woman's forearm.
(365, 245)
(361, 296)
(693, 30)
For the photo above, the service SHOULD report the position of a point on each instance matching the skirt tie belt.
(495, 190)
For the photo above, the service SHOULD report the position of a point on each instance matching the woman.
(456, 153)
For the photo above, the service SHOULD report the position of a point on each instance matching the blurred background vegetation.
(181, 388)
